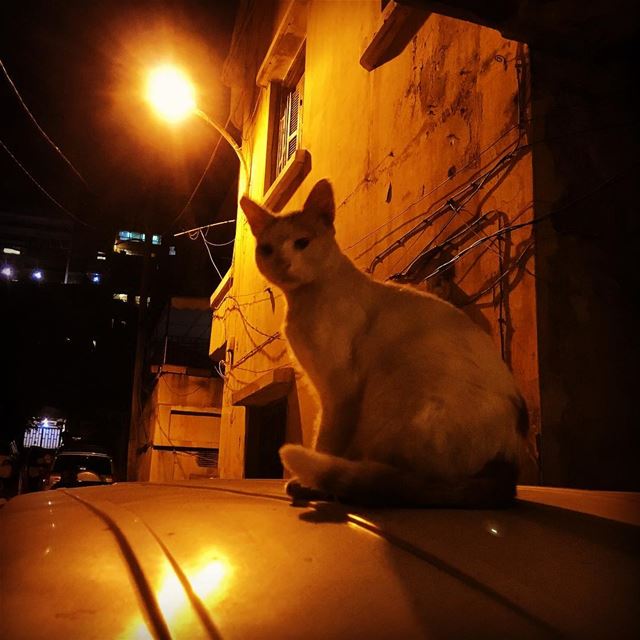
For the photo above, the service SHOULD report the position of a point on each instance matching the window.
(286, 124)
(287, 162)
(137, 236)
(133, 236)
(289, 123)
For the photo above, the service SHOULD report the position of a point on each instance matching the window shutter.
(292, 134)
(295, 126)
(289, 125)
(282, 137)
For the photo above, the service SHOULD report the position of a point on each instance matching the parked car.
(80, 468)
(234, 559)
(8, 477)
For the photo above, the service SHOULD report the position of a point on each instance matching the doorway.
(266, 428)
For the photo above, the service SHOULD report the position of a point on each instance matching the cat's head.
(296, 248)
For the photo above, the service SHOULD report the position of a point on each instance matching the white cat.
(417, 406)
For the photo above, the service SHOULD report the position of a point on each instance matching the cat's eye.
(301, 243)
(265, 249)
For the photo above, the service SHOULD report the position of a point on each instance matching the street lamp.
(172, 95)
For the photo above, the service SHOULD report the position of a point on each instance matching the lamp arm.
(227, 136)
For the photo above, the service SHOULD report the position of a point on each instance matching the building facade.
(442, 136)
(419, 121)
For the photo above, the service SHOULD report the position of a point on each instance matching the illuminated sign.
(44, 433)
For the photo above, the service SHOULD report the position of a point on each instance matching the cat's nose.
(284, 264)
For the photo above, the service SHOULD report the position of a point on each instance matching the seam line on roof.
(150, 604)
(195, 600)
(252, 494)
(452, 571)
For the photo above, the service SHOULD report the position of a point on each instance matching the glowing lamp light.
(95, 278)
(37, 275)
(171, 93)
(7, 271)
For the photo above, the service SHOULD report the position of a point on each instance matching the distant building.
(36, 248)
(177, 437)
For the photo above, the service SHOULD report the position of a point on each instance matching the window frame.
(280, 92)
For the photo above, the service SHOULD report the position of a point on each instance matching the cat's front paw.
(298, 491)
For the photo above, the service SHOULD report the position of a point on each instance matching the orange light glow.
(171, 93)
(209, 581)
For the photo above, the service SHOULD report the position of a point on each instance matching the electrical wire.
(213, 262)
(517, 144)
(430, 250)
(258, 348)
(434, 189)
(514, 264)
(269, 370)
(197, 187)
(246, 325)
(190, 232)
(531, 222)
(219, 244)
(43, 190)
(244, 318)
(477, 243)
(217, 366)
(249, 303)
(456, 202)
(40, 129)
(178, 393)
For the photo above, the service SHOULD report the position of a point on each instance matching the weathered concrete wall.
(397, 143)
(177, 391)
(585, 144)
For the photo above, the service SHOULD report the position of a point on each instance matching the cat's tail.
(369, 482)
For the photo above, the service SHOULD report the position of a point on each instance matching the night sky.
(80, 67)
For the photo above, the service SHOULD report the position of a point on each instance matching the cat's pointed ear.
(258, 217)
(320, 202)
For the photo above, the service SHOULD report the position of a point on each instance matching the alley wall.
(397, 143)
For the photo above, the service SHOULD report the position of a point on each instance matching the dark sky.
(80, 67)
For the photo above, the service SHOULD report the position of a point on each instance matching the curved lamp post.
(173, 97)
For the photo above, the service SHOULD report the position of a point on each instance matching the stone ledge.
(285, 46)
(622, 506)
(266, 389)
(399, 23)
(289, 179)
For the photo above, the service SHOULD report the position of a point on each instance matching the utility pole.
(138, 367)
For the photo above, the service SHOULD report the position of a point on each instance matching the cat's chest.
(325, 331)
